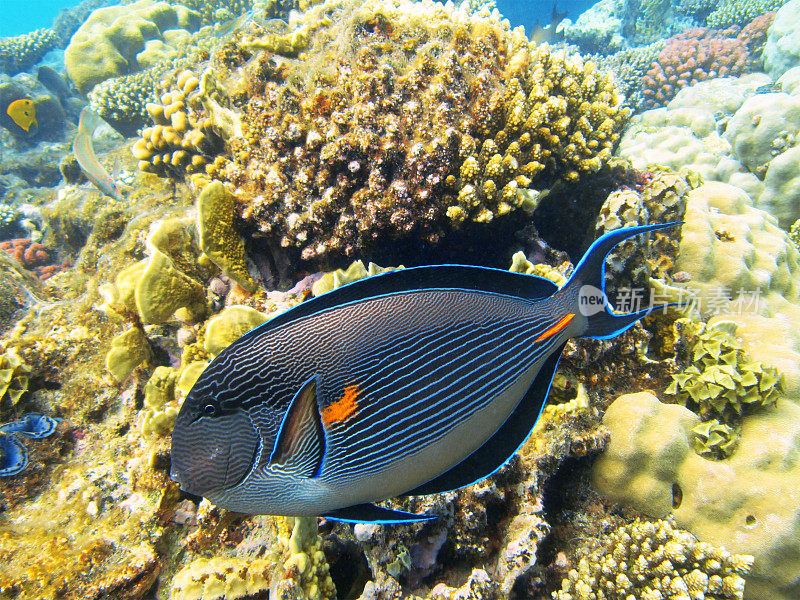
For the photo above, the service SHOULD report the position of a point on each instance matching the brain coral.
(745, 269)
(748, 503)
(409, 120)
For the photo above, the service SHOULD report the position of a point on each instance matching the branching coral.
(122, 101)
(654, 560)
(693, 56)
(411, 126)
(183, 139)
(739, 12)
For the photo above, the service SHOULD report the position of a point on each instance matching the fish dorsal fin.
(466, 277)
(300, 443)
(369, 513)
(494, 453)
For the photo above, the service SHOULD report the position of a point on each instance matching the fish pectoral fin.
(300, 443)
(369, 513)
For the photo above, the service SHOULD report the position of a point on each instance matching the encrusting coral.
(423, 120)
(13, 378)
(647, 560)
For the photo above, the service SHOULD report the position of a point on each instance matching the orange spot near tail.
(344, 407)
(563, 322)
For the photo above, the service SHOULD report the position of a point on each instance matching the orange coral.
(692, 56)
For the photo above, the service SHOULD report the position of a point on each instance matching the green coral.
(714, 439)
(740, 12)
(23, 51)
(229, 325)
(721, 385)
(794, 233)
(123, 39)
(13, 377)
(654, 561)
(217, 11)
(334, 279)
(160, 408)
(216, 208)
(128, 350)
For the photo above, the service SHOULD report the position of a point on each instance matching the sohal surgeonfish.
(23, 113)
(412, 382)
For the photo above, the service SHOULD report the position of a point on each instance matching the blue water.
(531, 12)
(21, 16)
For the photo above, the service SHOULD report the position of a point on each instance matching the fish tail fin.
(589, 278)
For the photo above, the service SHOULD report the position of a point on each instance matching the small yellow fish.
(23, 112)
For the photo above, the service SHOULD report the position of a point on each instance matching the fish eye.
(210, 409)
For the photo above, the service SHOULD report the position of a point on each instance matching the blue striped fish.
(410, 382)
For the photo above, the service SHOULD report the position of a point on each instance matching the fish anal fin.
(300, 443)
(369, 513)
(506, 441)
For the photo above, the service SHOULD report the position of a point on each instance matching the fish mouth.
(211, 455)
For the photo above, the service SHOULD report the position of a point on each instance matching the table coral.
(693, 56)
(743, 502)
(437, 119)
(23, 51)
(655, 560)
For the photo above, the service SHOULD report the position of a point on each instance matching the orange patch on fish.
(563, 322)
(344, 407)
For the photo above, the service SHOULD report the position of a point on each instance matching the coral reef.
(184, 138)
(794, 233)
(218, 239)
(383, 145)
(650, 465)
(339, 277)
(122, 101)
(655, 560)
(32, 256)
(13, 378)
(119, 40)
(23, 51)
(743, 268)
(693, 56)
(630, 66)
(218, 11)
(782, 50)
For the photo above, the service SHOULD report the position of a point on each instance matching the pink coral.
(31, 255)
(693, 56)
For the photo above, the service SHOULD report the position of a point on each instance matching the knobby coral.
(692, 56)
(403, 123)
(654, 560)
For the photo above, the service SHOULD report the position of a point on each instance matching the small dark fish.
(84, 153)
(411, 382)
(549, 33)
